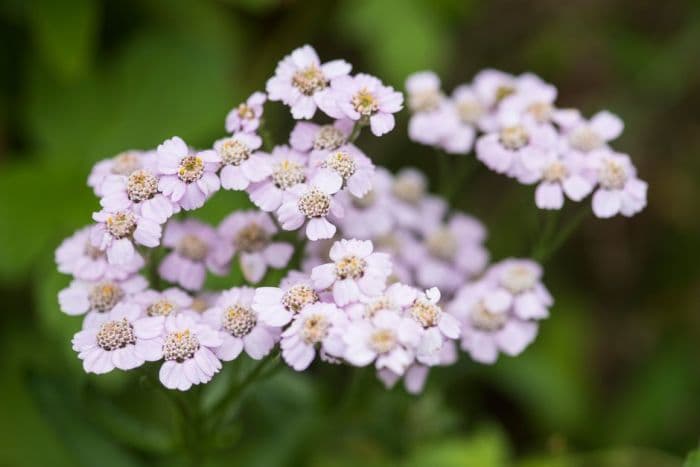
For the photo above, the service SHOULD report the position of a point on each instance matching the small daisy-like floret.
(318, 326)
(116, 232)
(370, 215)
(78, 256)
(365, 99)
(188, 349)
(522, 278)
(276, 306)
(240, 328)
(246, 116)
(123, 164)
(387, 339)
(98, 297)
(309, 137)
(122, 338)
(559, 176)
(312, 204)
(288, 169)
(139, 193)
(356, 271)
(585, 136)
(248, 234)
(437, 326)
(164, 303)
(424, 93)
(488, 324)
(195, 248)
(188, 178)
(302, 82)
(241, 163)
(619, 190)
(349, 164)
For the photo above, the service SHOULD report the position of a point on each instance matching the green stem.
(355, 133)
(554, 238)
(466, 167)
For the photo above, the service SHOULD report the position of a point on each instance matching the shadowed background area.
(613, 378)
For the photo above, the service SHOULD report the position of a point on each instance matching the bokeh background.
(614, 377)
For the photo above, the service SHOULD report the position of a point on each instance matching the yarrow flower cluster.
(377, 271)
(524, 135)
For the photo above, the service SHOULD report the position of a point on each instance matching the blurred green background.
(613, 379)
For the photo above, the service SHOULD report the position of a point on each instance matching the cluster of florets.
(526, 137)
(377, 250)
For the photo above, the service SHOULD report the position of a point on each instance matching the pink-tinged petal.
(194, 198)
(172, 187)
(98, 361)
(148, 233)
(121, 252)
(305, 56)
(232, 178)
(256, 168)
(157, 209)
(359, 355)
(607, 125)
(516, 336)
(209, 156)
(266, 196)
(304, 108)
(327, 102)
(74, 300)
(289, 216)
(150, 350)
(149, 327)
(173, 146)
(481, 347)
(529, 306)
(299, 357)
(409, 332)
(278, 254)
(345, 291)
(253, 266)
(549, 196)
(606, 203)
(327, 181)
(415, 378)
(319, 228)
(230, 349)
(209, 183)
(258, 343)
(498, 301)
(381, 123)
(577, 187)
(359, 184)
(335, 68)
(323, 276)
(449, 326)
(126, 358)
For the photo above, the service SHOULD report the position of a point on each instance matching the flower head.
(288, 169)
(241, 163)
(246, 116)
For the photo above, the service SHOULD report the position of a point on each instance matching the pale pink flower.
(121, 339)
(316, 326)
(79, 257)
(518, 140)
(246, 116)
(558, 176)
(289, 168)
(249, 235)
(116, 232)
(239, 326)
(312, 202)
(365, 99)
(98, 297)
(414, 378)
(410, 204)
(122, 164)
(533, 99)
(442, 128)
(395, 298)
(347, 163)
(188, 178)
(369, 216)
(241, 163)
(488, 323)
(585, 136)
(522, 278)
(356, 271)
(424, 93)
(314, 138)
(138, 193)
(301, 81)
(164, 303)
(437, 326)
(387, 338)
(492, 86)
(188, 349)
(195, 246)
(472, 110)
(276, 306)
(619, 190)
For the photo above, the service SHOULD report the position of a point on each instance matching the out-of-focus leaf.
(64, 33)
(486, 448)
(416, 40)
(628, 457)
(693, 459)
(63, 411)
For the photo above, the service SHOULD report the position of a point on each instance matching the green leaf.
(487, 448)
(693, 459)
